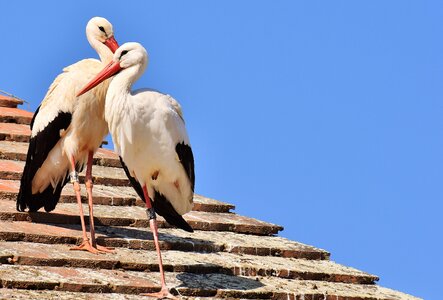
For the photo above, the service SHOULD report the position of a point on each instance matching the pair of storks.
(147, 129)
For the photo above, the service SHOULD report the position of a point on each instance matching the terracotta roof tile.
(14, 132)
(14, 115)
(13, 150)
(119, 195)
(34, 254)
(172, 239)
(6, 101)
(217, 285)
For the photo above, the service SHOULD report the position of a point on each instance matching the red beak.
(111, 69)
(112, 44)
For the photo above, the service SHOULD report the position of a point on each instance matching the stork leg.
(164, 292)
(85, 245)
(89, 186)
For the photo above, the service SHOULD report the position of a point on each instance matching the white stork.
(149, 134)
(66, 131)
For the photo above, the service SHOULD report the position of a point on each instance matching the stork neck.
(120, 88)
(102, 50)
(122, 82)
(118, 100)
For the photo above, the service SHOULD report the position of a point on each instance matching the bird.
(149, 134)
(65, 133)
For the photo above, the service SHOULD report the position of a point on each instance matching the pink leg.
(164, 292)
(85, 245)
(89, 186)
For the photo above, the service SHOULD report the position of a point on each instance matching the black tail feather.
(186, 157)
(47, 199)
(165, 209)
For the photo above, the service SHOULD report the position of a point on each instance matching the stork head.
(99, 29)
(130, 56)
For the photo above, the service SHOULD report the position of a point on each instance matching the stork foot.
(163, 294)
(86, 246)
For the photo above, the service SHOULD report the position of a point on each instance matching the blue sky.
(322, 116)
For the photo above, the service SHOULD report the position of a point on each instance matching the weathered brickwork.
(228, 256)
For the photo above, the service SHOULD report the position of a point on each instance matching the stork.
(65, 133)
(149, 134)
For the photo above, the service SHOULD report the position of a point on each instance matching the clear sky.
(325, 117)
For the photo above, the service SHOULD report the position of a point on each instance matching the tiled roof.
(228, 255)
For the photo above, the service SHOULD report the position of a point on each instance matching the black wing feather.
(186, 158)
(39, 147)
(161, 205)
(33, 117)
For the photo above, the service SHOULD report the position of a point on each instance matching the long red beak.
(111, 69)
(112, 44)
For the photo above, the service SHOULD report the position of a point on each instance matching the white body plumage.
(146, 126)
(87, 128)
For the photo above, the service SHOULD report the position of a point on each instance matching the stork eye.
(102, 28)
(124, 52)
